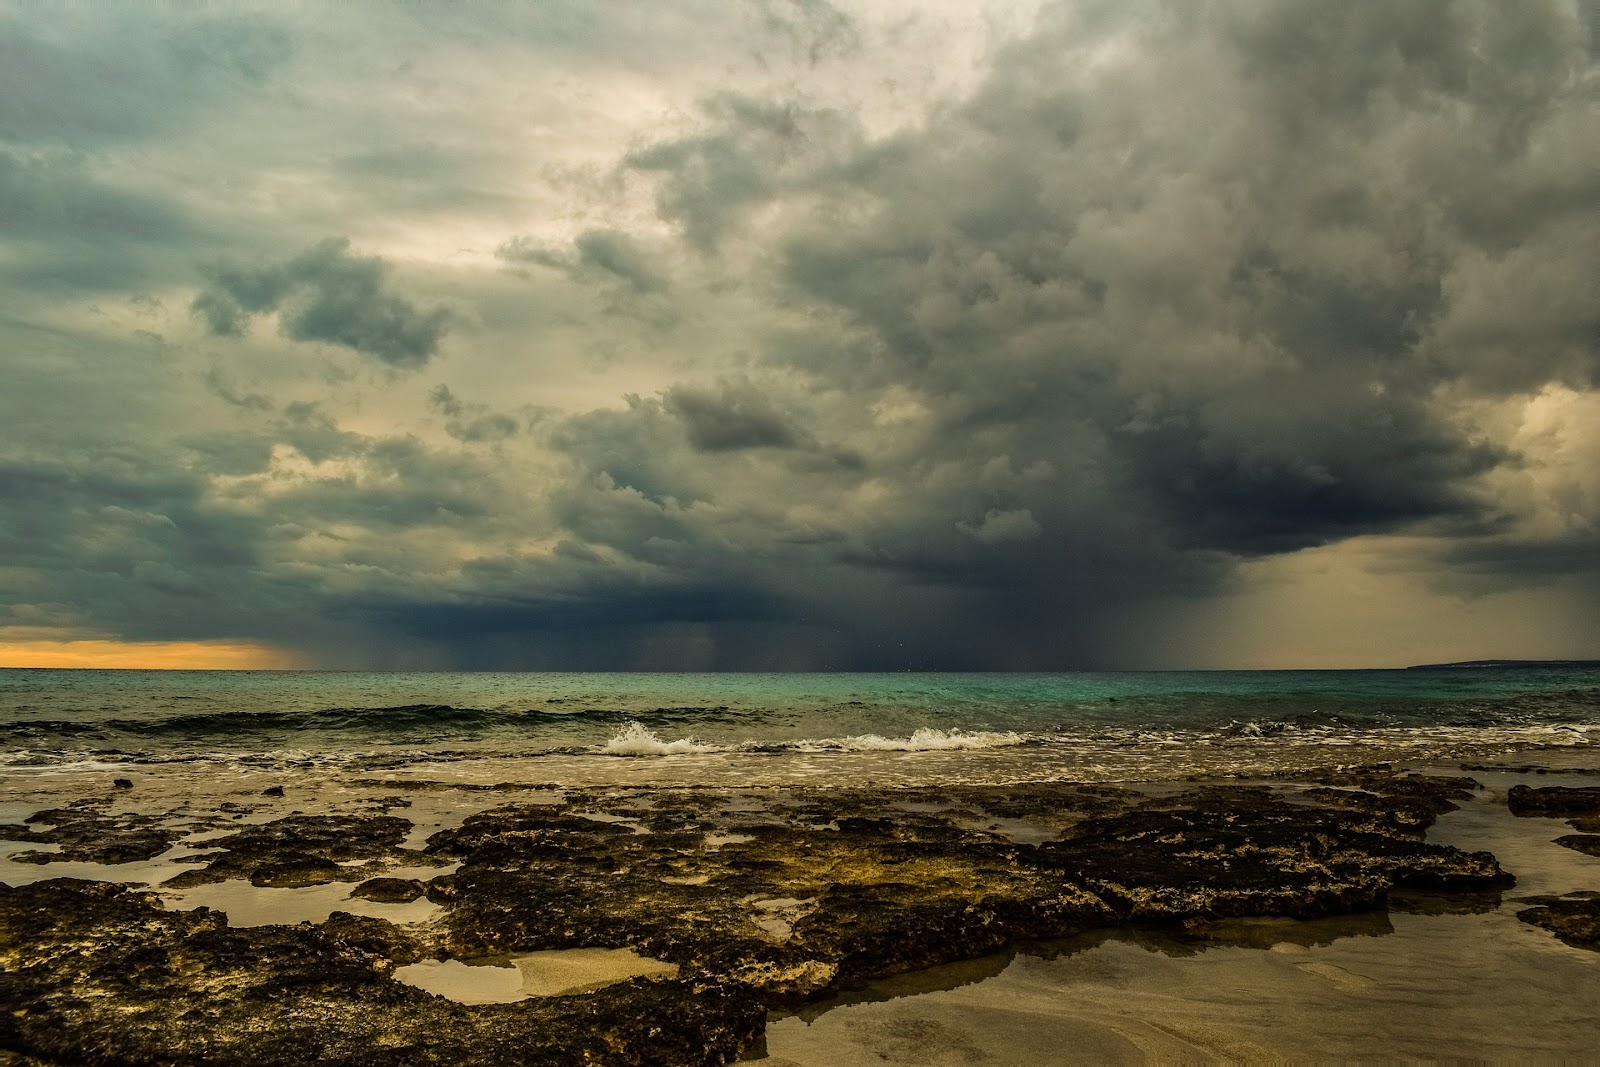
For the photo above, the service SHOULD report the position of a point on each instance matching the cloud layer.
(773, 347)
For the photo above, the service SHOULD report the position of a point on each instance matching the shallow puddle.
(249, 905)
(503, 979)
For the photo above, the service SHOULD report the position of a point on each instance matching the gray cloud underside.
(1174, 286)
(326, 294)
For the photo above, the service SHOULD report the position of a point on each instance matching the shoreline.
(789, 899)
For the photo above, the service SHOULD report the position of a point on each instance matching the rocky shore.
(760, 899)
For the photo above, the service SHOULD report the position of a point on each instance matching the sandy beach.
(187, 914)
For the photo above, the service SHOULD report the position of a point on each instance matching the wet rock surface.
(389, 890)
(1574, 918)
(99, 974)
(1554, 801)
(303, 850)
(87, 833)
(763, 897)
(1409, 802)
(1240, 853)
(1579, 806)
(1588, 844)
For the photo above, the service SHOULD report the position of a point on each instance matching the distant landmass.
(1505, 664)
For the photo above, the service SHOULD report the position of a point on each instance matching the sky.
(794, 335)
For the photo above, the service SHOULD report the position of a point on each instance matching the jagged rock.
(92, 836)
(94, 972)
(1408, 803)
(1588, 844)
(389, 890)
(1252, 854)
(1554, 800)
(302, 850)
(299, 871)
(1574, 918)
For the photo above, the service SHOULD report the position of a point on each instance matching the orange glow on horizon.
(149, 655)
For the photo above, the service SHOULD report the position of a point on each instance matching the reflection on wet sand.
(1436, 977)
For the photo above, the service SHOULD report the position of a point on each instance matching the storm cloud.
(1002, 337)
(326, 294)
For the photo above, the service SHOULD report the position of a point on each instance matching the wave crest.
(635, 739)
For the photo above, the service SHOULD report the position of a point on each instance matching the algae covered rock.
(1574, 918)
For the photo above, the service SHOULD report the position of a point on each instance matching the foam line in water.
(925, 739)
(635, 739)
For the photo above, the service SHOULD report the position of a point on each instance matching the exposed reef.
(1574, 918)
(90, 835)
(302, 850)
(97, 973)
(1579, 806)
(762, 897)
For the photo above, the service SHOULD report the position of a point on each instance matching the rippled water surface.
(997, 725)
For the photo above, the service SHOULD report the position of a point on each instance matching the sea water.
(583, 727)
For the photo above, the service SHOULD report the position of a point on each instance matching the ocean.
(583, 728)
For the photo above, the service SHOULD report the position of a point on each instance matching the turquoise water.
(51, 716)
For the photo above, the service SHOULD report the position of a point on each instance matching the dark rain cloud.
(1213, 314)
(1167, 288)
(326, 294)
(64, 228)
(1220, 295)
(729, 418)
(753, 151)
(124, 539)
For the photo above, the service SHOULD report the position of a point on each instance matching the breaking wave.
(634, 739)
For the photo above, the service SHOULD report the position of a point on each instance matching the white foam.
(635, 740)
(926, 739)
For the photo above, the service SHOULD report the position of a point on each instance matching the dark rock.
(1574, 918)
(272, 791)
(190, 879)
(122, 783)
(88, 835)
(96, 973)
(1409, 802)
(301, 850)
(1213, 857)
(33, 856)
(1588, 844)
(1554, 800)
(389, 890)
(295, 872)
